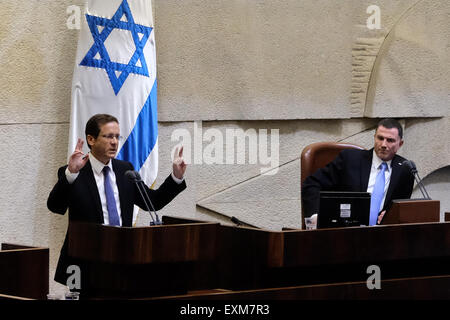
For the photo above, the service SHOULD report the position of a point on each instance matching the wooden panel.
(10, 246)
(410, 288)
(366, 244)
(156, 244)
(246, 256)
(24, 271)
(251, 258)
(412, 211)
(8, 297)
(175, 258)
(338, 255)
(120, 262)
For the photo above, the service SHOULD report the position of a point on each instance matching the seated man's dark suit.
(350, 171)
(84, 204)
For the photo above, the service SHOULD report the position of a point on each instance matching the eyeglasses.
(112, 136)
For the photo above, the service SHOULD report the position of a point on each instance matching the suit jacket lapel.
(395, 175)
(88, 176)
(366, 164)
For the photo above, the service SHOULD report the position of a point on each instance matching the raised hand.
(78, 159)
(178, 165)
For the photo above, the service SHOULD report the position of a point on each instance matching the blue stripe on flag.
(143, 137)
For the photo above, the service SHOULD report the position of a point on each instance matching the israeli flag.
(115, 73)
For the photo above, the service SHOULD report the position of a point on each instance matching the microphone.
(236, 221)
(240, 223)
(135, 177)
(412, 167)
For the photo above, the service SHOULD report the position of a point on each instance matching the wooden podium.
(24, 271)
(412, 211)
(184, 256)
(120, 262)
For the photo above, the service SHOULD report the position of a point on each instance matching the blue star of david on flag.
(117, 72)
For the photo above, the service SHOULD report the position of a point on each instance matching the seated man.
(378, 171)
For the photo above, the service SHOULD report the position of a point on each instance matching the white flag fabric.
(115, 73)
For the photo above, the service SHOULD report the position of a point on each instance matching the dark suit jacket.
(83, 201)
(350, 171)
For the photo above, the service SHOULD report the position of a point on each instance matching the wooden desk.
(24, 271)
(254, 259)
(120, 262)
(293, 263)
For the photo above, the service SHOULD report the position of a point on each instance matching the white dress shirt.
(374, 169)
(97, 168)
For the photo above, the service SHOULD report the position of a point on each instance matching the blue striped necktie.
(377, 195)
(113, 215)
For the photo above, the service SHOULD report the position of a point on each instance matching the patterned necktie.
(377, 195)
(110, 200)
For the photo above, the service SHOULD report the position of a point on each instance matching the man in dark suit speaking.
(378, 171)
(95, 189)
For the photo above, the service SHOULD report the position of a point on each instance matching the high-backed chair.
(318, 155)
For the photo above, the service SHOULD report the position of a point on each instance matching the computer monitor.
(343, 209)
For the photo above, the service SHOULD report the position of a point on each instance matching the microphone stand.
(413, 168)
(421, 186)
(136, 178)
(155, 221)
